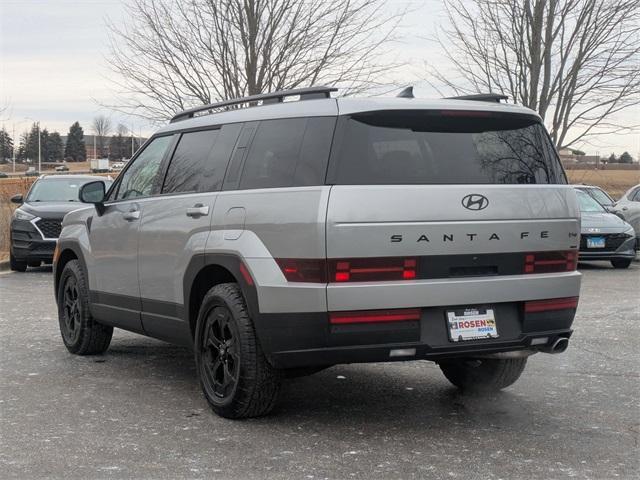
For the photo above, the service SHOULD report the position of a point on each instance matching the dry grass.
(9, 188)
(615, 182)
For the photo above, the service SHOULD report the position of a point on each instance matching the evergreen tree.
(6, 146)
(55, 147)
(31, 145)
(75, 148)
(117, 147)
(625, 158)
(612, 158)
(21, 154)
(44, 142)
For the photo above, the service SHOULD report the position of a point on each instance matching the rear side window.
(288, 152)
(428, 147)
(190, 169)
(200, 160)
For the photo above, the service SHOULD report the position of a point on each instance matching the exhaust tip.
(560, 345)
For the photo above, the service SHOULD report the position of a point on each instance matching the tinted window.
(191, 168)
(442, 148)
(636, 196)
(59, 189)
(288, 152)
(139, 178)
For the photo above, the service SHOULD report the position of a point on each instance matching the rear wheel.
(483, 375)
(236, 378)
(81, 334)
(621, 262)
(17, 265)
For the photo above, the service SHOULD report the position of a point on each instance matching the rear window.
(427, 147)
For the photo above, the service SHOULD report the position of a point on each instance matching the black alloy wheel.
(220, 354)
(71, 310)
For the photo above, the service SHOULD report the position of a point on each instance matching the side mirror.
(17, 199)
(93, 192)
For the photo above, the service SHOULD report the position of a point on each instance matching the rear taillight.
(550, 262)
(303, 269)
(349, 269)
(373, 269)
(551, 304)
(375, 316)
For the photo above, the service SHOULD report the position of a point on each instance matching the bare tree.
(101, 126)
(177, 54)
(576, 62)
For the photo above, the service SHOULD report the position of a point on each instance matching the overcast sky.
(53, 69)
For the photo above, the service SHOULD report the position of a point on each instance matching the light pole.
(14, 148)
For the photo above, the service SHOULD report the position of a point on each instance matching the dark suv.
(36, 224)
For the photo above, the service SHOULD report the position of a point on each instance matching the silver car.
(604, 236)
(629, 208)
(280, 237)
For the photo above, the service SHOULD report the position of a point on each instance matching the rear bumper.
(298, 340)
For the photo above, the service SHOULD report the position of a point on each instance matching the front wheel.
(81, 334)
(235, 376)
(483, 375)
(621, 262)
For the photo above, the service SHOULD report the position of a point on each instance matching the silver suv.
(279, 237)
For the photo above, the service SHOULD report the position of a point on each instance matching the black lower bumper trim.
(382, 353)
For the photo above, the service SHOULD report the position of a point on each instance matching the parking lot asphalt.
(137, 412)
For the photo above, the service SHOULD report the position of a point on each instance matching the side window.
(636, 196)
(190, 169)
(288, 152)
(138, 179)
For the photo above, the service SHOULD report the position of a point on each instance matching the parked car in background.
(117, 166)
(629, 208)
(32, 172)
(62, 168)
(604, 236)
(36, 224)
(598, 194)
(3, 175)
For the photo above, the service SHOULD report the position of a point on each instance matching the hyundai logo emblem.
(475, 201)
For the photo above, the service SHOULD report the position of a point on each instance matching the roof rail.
(252, 100)
(481, 97)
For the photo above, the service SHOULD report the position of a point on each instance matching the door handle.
(625, 208)
(198, 210)
(131, 215)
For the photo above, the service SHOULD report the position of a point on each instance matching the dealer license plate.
(595, 242)
(471, 324)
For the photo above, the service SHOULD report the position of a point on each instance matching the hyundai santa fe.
(278, 238)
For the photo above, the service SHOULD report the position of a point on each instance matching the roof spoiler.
(482, 97)
(308, 93)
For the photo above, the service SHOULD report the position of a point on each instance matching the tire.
(81, 334)
(17, 265)
(483, 375)
(235, 376)
(621, 262)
